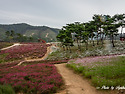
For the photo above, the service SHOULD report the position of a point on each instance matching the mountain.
(36, 32)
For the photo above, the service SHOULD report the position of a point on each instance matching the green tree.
(120, 19)
(98, 23)
(7, 33)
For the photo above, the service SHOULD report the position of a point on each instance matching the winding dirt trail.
(75, 84)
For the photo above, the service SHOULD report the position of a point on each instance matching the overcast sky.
(56, 13)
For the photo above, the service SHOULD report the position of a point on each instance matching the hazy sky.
(56, 13)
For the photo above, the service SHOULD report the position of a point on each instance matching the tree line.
(11, 36)
(99, 28)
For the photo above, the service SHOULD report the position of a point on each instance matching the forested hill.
(36, 32)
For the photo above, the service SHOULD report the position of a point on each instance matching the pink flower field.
(32, 79)
(32, 50)
(92, 60)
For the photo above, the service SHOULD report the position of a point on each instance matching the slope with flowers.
(30, 50)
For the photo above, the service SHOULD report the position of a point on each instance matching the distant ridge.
(30, 31)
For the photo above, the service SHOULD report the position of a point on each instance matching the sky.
(56, 13)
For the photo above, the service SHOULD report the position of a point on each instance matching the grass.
(6, 89)
(5, 44)
(77, 68)
(2, 58)
(108, 75)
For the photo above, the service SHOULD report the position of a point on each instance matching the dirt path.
(75, 84)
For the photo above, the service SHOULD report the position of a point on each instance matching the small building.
(42, 41)
(122, 37)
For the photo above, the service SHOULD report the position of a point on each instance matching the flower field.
(103, 71)
(32, 50)
(92, 61)
(32, 79)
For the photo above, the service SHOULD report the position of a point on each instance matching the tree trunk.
(102, 39)
(86, 44)
(97, 39)
(78, 44)
(70, 49)
(121, 31)
(91, 38)
(63, 48)
(113, 45)
(93, 42)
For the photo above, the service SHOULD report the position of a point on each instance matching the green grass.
(2, 58)
(6, 89)
(109, 75)
(76, 67)
(5, 44)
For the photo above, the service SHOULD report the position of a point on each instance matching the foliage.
(101, 27)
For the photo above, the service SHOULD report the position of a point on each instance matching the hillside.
(43, 32)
